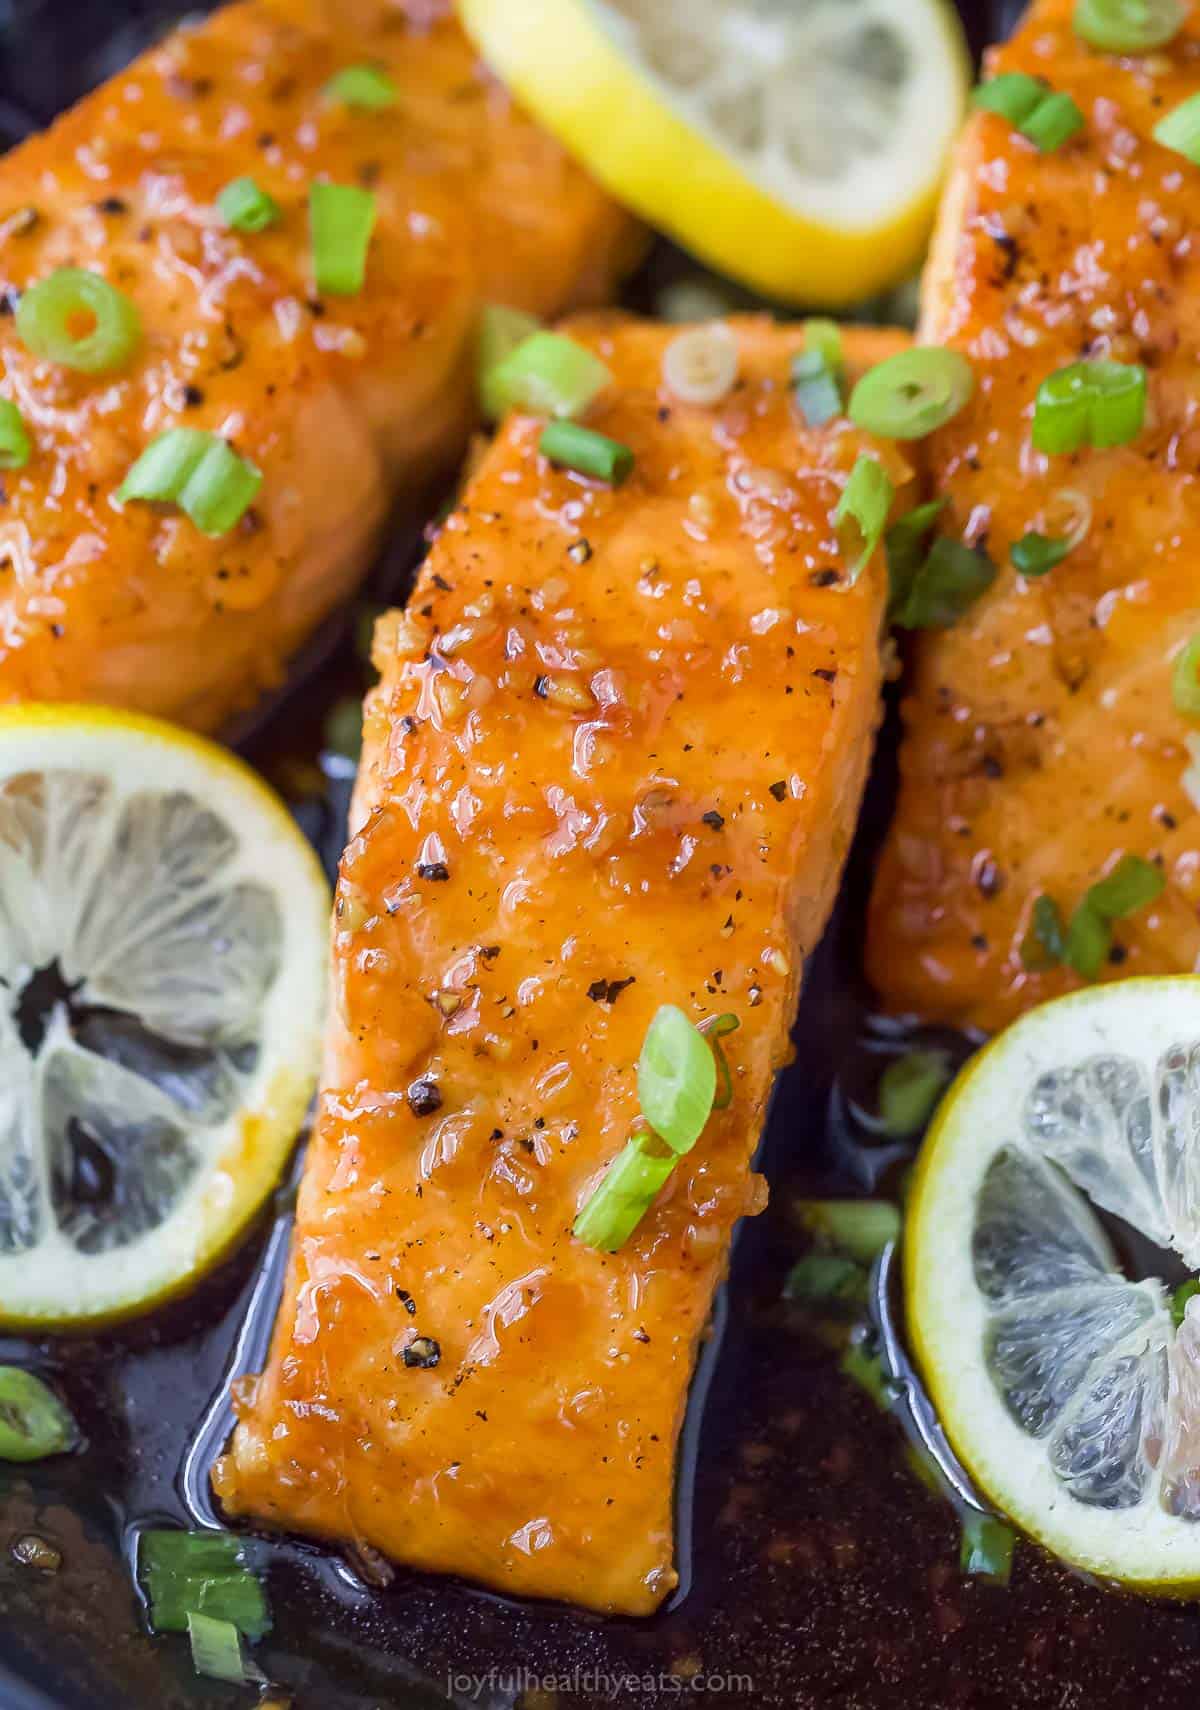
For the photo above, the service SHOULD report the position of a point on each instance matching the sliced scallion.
(948, 584)
(818, 372)
(501, 331)
(364, 87)
(198, 471)
(987, 1547)
(1180, 130)
(1036, 554)
(77, 319)
(341, 220)
(677, 1079)
(1133, 884)
(547, 374)
(1185, 679)
(909, 1089)
(859, 1229)
(587, 452)
(866, 1370)
(1045, 116)
(912, 394)
(216, 1648)
(203, 1573)
(246, 207)
(906, 544)
(1045, 945)
(33, 1421)
(1101, 404)
(1129, 26)
(714, 1030)
(862, 512)
(826, 1279)
(1089, 940)
(628, 1190)
(700, 365)
(15, 446)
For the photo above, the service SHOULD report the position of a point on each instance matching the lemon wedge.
(1067, 1385)
(797, 145)
(163, 931)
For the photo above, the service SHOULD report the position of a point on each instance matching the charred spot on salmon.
(580, 551)
(824, 578)
(608, 991)
(193, 397)
(406, 1300)
(112, 205)
(541, 687)
(435, 871)
(826, 676)
(424, 1097)
(714, 819)
(779, 789)
(423, 1353)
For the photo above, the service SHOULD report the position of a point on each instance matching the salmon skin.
(345, 404)
(614, 761)
(1042, 743)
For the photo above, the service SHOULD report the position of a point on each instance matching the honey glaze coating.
(1042, 740)
(344, 403)
(614, 761)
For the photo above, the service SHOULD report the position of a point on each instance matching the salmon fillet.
(345, 403)
(1041, 743)
(614, 761)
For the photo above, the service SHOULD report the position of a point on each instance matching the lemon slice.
(163, 928)
(1059, 1376)
(797, 145)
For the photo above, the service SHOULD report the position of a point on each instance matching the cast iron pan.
(816, 1571)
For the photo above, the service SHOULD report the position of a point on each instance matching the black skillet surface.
(818, 1573)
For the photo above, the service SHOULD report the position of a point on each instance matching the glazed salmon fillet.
(345, 403)
(1042, 743)
(614, 761)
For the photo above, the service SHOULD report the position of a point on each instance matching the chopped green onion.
(826, 1279)
(677, 1079)
(1089, 940)
(198, 471)
(245, 207)
(949, 582)
(912, 394)
(77, 319)
(987, 1547)
(587, 452)
(1129, 26)
(15, 446)
(216, 1649)
(1180, 1298)
(33, 1421)
(200, 1573)
(547, 374)
(1035, 554)
(501, 331)
(714, 1030)
(1180, 130)
(1053, 122)
(1133, 884)
(858, 1228)
(909, 1089)
(862, 512)
(364, 87)
(1046, 944)
(1101, 404)
(341, 220)
(1185, 680)
(630, 1186)
(866, 1370)
(1041, 114)
(905, 543)
(1013, 95)
(817, 373)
